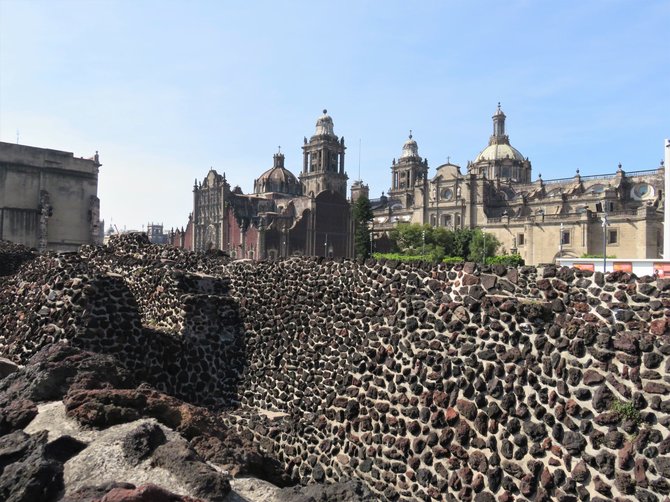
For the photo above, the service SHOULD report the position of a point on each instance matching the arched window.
(457, 221)
(446, 220)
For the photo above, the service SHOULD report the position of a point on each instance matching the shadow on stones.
(200, 360)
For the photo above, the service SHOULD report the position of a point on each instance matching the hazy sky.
(167, 89)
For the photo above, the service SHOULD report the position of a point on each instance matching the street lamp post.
(484, 247)
(605, 225)
(423, 242)
(282, 251)
(371, 239)
(325, 247)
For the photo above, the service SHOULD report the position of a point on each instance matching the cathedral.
(541, 220)
(285, 216)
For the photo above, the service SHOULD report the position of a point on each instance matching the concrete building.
(285, 215)
(48, 198)
(541, 220)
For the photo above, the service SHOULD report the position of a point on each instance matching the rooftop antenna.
(359, 159)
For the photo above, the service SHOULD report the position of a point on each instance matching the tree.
(362, 215)
(412, 238)
(443, 239)
(461, 243)
(482, 244)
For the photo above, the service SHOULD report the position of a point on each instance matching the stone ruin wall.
(160, 311)
(426, 383)
(438, 384)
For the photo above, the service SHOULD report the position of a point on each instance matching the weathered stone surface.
(354, 491)
(7, 367)
(592, 377)
(185, 464)
(16, 414)
(144, 493)
(27, 472)
(573, 442)
(95, 493)
(141, 442)
(467, 409)
(581, 472)
(663, 466)
(602, 398)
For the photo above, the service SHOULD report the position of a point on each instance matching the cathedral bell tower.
(323, 160)
(409, 171)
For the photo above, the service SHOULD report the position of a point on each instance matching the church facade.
(285, 215)
(541, 220)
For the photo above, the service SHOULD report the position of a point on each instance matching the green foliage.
(600, 256)
(461, 242)
(435, 251)
(411, 238)
(452, 259)
(362, 215)
(443, 239)
(509, 260)
(459, 245)
(402, 257)
(482, 244)
(627, 410)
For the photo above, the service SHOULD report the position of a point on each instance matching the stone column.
(45, 213)
(94, 211)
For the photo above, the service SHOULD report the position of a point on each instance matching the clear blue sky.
(166, 89)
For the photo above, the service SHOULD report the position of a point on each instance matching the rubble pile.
(98, 393)
(12, 256)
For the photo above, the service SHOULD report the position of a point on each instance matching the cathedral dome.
(499, 147)
(277, 179)
(410, 149)
(324, 125)
(499, 152)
